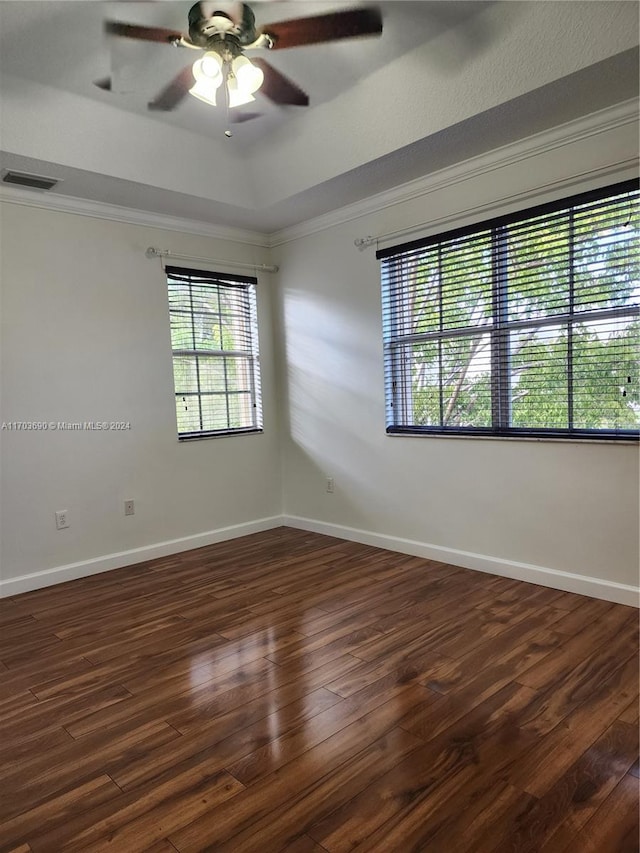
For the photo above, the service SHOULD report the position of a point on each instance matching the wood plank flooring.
(294, 692)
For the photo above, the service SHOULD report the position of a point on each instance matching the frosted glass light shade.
(248, 75)
(204, 91)
(237, 97)
(207, 72)
(210, 65)
(208, 68)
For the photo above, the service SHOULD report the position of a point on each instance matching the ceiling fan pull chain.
(227, 132)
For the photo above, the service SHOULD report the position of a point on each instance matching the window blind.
(523, 325)
(214, 338)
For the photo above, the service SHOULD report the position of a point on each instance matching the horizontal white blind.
(214, 338)
(525, 324)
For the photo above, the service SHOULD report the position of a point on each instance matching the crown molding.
(602, 121)
(131, 216)
(577, 182)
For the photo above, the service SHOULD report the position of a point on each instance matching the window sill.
(226, 434)
(568, 439)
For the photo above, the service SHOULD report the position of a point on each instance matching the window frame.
(397, 368)
(250, 355)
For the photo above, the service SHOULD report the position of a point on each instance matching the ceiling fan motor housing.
(207, 23)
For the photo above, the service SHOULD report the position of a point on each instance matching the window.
(525, 325)
(214, 337)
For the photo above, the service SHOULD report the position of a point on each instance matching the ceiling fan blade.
(278, 88)
(337, 25)
(174, 92)
(133, 31)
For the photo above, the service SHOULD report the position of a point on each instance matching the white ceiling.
(446, 81)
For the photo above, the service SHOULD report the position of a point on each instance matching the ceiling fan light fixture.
(223, 38)
(248, 75)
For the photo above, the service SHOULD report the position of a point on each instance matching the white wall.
(528, 509)
(85, 337)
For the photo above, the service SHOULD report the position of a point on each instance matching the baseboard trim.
(581, 584)
(566, 581)
(73, 571)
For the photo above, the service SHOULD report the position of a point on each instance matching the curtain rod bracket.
(154, 252)
(364, 242)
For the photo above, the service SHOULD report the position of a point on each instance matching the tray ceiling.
(444, 82)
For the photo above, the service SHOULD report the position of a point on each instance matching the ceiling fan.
(223, 74)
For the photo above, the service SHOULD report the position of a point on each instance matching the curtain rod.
(153, 252)
(489, 208)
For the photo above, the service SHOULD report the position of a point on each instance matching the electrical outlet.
(330, 485)
(129, 508)
(62, 519)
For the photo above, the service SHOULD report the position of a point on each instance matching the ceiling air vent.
(23, 179)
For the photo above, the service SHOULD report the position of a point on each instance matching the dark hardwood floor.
(293, 692)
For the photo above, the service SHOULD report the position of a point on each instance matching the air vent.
(35, 182)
